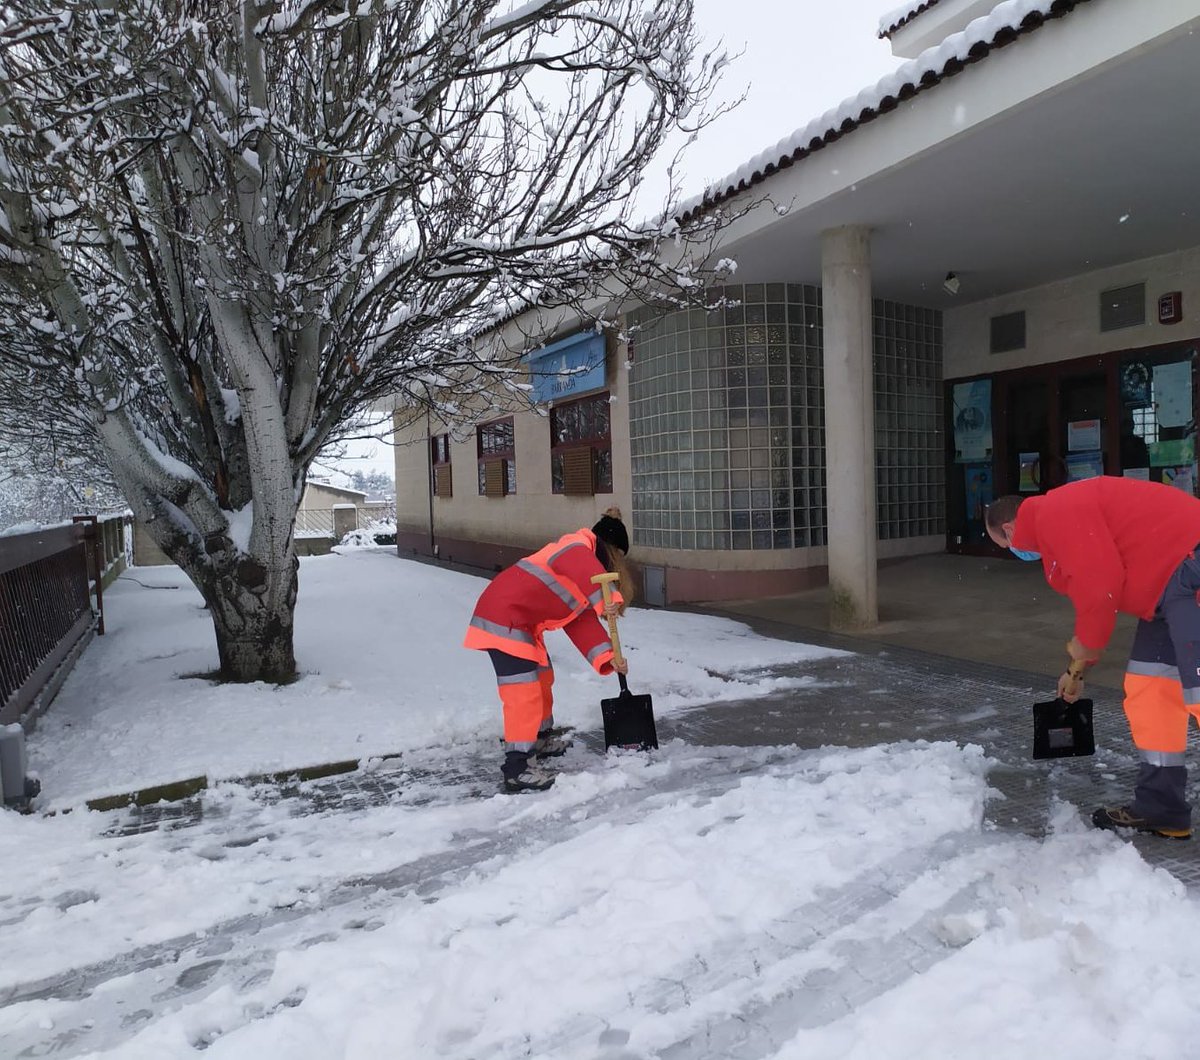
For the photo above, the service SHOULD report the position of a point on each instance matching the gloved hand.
(1070, 684)
(1070, 688)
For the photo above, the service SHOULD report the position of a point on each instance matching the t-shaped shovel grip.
(605, 581)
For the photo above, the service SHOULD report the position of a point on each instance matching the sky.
(701, 901)
(798, 59)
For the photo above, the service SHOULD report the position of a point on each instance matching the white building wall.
(1062, 320)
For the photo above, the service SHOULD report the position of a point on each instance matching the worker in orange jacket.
(551, 589)
(1123, 545)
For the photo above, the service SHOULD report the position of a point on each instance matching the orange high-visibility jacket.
(1109, 544)
(552, 589)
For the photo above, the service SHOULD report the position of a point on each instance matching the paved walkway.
(883, 693)
(981, 610)
(887, 692)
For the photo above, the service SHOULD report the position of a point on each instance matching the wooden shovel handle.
(605, 581)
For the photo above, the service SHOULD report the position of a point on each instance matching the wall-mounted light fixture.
(950, 283)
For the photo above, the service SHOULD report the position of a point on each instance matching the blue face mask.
(1021, 553)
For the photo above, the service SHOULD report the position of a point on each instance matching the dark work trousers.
(1162, 694)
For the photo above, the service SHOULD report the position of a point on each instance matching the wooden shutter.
(443, 483)
(577, 472)
(494, 479)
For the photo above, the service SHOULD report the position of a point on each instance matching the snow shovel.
(1062, 729)
(628, 719)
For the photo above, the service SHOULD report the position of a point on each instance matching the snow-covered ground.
(701, 902)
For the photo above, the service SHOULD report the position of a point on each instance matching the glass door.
(1030, 457)
(1158, 427)
(1082, 428)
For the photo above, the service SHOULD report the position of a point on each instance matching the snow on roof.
(892, 20)
(1007, 22)
(319, 484)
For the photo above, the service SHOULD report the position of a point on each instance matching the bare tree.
(227, 228)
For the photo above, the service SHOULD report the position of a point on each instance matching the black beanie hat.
(612, 531)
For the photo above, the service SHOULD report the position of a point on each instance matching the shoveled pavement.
(879, 694)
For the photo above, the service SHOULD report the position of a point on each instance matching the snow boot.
(548, 746)
(555, 730)
(1114, 818)
(520, 776)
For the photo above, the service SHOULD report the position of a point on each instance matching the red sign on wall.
(1170, 307)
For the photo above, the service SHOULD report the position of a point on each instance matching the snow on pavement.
(697, 903)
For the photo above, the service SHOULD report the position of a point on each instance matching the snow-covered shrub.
(371, 536)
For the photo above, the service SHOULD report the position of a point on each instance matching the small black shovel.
(628, 719)
(1062, 729)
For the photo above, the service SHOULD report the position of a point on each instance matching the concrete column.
(849, 426)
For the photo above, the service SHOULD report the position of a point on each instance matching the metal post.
(92, 536)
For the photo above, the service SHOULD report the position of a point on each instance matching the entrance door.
(1030, 450)
(1083, 428)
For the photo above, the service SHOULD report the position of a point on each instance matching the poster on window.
(1083, 436)
(972, 421)
(1084, 465)
(1173, 394)
(1183, 478)
(1031, 472)
(1172, 453)
(1135, 385)
(979, 491)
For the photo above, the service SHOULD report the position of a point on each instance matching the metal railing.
(319, 522)
(314, 522)
(51, 599)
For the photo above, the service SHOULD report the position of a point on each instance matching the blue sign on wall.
(570, 366)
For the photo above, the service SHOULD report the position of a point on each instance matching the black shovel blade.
(1063, 730)
(629, 721)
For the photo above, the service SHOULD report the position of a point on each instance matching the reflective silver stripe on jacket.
(1152, 669)
(523, 745)
(526, 678)
(500, 630)
(565, 548)
(549, 669)
(596, 598)
(597, 651)
(1191, 696)
(1163, 758)
(550, 582)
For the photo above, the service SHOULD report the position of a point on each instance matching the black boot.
(520, 776)
(1114, 818)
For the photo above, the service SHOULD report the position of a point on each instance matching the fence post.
(91, 535)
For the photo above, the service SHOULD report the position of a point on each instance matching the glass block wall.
(727, 422)
(910, 448)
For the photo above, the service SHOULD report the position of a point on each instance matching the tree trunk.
(252, 611)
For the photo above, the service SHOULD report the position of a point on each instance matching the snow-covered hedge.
(370, 537)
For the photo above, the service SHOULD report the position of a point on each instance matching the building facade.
(978, 276)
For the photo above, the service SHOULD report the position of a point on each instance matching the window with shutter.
(495, 481)
(497, 458)
(443, 484)
(581, 446)
(577, 472)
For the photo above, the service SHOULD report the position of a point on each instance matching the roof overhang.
(930, 23)
(1073, 149)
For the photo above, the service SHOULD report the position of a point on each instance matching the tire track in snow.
(101, 1005)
